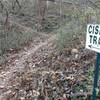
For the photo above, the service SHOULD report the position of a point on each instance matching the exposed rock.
(74, 51)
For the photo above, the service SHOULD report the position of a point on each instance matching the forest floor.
(40, 72)
(23, 60)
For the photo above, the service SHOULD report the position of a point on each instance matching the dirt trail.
(18, 64)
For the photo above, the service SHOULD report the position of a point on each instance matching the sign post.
(96, 76)
(93, 43)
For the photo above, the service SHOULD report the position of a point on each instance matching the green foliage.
(85, 86)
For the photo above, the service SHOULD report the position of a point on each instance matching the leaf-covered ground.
(43, 73)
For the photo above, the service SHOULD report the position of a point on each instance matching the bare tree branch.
(14, 4)
(93, 3)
